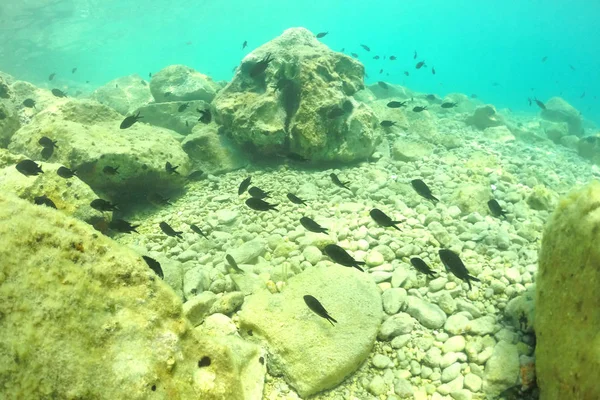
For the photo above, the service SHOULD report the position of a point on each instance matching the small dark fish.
(321, 35)
(198, 231)
(295, 199)
(364, 46)
(196, 175)
(474, 96)
(149, 74)
(312, 226)
(187, 124)
(335, 113)
(108, 170)
(342, 50)
(387, 124)
(449, 105)
(420, 64)
(376, 58)
(296, 157)
(244, 185)
(396, 104)
(143, 82)
(58, 93)
(572, 67)
(29, 168)
(431, 97)
(419, 108)
(406, 73)
(171, 169)
(52, 75)
(392, 58)
(245, 44)
(167, 230)
(206, 116)
(422, 266)
(65, 172)
(544, 58)
(182, 107)
(383, 84)
(415, 55)
(529, 101)
(258, 193)
(47, 153)
(122, 226)
(454, 264)
(340, 256)
(381, 71)
(261, 66)
(582, 95)
(74, 70)
(495, 208)
(158, 200)
(422, 189)
(128, 121)
(29, 103)
(44, 201)
(45, 141)
(539, 104)
(260, 205)
(382, 219)
(318, 308)
(103, 205)
(233, 264)
(167, 94)
(154, 266)
(354, 55)
(433, 70)
(336, 181)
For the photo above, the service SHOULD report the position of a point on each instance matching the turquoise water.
(494, 51)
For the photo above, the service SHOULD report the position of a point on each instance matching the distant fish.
(381, 71)
(74, 70)
(449, 104)
(233, 264)
(149, 74)
(108, 170)
(454, 264)
(383, 219)
(182, 107)
(58, 93)
(433, 70)
(495, 208)
(321, 35)
(197, 230)
(296, 157)
(244, 185)
(167, 230)
(52, 75)
(171, 169)
(257, 193)
(122, 226)
(420, 64)
(45, 141)
(154, 266)
(582, 95)
(65, 172)
(44, 201)
(376, 58)
(336, 181)
(572, 67)
(383, 84)
(529, 101)
(539, 104)
(205, 117)
(387, 124)
(340, 256)
(103, 205)
(419, 108)
(29, 168)
(295, 199)
(422, 189)
(245, 44)
(392, 58)
(415, 55)
(318, 308)
(335, 113)
(396, 104)
(261, 66)
(196, 175)
(47, 153)
(311, 225)
(474, 96)
(354, 55)
(260, 205)
(422, 266)
(406, 73)
(29, 103)
(157, 199)
(130, 120)
(544, 58)
(364, 46)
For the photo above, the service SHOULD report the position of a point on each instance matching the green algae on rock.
(124, 95)
(182, 83)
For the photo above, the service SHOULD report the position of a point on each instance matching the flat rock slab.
(312, 354)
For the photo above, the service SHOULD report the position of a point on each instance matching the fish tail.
(434, 199)
(331, 320)
(469, 282)
(473, 278)
(358, 268)
(395, 227)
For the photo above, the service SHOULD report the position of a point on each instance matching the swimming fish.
(406, 73)
(196, 175)
(45, 141)
(415, 55)
(318, 308)
(258, 193)
(154, 266)
(206, 116)
(244, 185)
(108, 170)
(103, 205)
(364, 46)
(422, 189)
(336, 181)
(376, 58)
(420, 64)
(260, 205)
(52, 75)
(128, 121)
(419, 108)
(422, 266)
(544, 58)
(29, 103)
(122, 226)
(47, 152)
(392, 58)
(157, 199)
(354, 55)
(382, 219)
(335, 113)
(58, 93)
(321, 35)
(182, 107)
(233, 264)
(387, 123)
(29, 168)
(383, 84)
(396, 104)
(171, 169)
(572, 67)
(149, 74)
(44, 201)
(312, 226)
(340, 256)
(295, 199)
(197, 230)
(433, 70)
(495, 208)
(454, 264)
(449, 104)
(65, 172)
(167, 230)
(260, 66)
(245, 44)
(539, 103)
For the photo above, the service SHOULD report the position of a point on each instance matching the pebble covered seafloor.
(444, 355)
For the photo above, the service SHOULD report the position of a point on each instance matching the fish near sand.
(244, 185)
(108, 170)
(296, 157)
(336, 181)
(29, 103)
(422, 266)
(422, 189)
(171, 169)
(295, 199)
(103, 205)
(383, 219)
(205, 116)
(454, 264)
(29, 168)
(258, 193)
(154, 266)
(233, 264)
(65, 172)
(47, 153)
(129, 121)
(197, 230)
(167, 230)
(158, 200)
(58, 93)
(312, 226)
(340, 256)
(396, 104)
(449, 104)
(495, 208)
(45, 141)
(44, 201)
(196, 175)
(260, 205)
(387, 123)
(316, 307)
(182, 107)
(419, 108)
(122, 226)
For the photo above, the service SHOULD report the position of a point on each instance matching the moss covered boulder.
(9, 121)
(125, 94)
(295, 94)
(558, 110)
(567, 321)
(182, 83)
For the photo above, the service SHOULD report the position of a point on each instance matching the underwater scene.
(299, 200)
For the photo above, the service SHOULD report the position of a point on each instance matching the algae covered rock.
(84, 317)
(181, 83)
(485, 117)
(302, 102)
(541, 198)
(179, 116)
(405, 150)
(499, 134)
(9, 121)
(125, 94)
(501, 369)
(558, 110)
(312, 354)
(567, 322)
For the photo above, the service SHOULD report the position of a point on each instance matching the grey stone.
(456, 324)
(482, 326)
(395, 325)
(393, 299)
(182, 83)
(403, 389)
(450, 373)
(502, 369)
(381, 362)
(473, 382)
(429, 315)
(377, 386)
(198, 307)
(454, 344)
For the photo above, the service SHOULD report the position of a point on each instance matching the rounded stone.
(312, 254)
(454, 344)
(377, 386)
(374, 259)
(450, 373)
(380, 361)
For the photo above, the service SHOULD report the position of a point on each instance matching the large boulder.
(125, 94)
(301, 103)
(9, 121)
(567, 322)
(43, 98)
(312, 354)
(181, 83)
(558, 110)
(407, 150)
(485, 117)
(84, 317)
(167, 115)
(89, 139)
(589, 148)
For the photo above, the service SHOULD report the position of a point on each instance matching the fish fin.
(395, 227)
(432, 198)
(331, 320)
(473, 278)
(359, 268)
(273, 207)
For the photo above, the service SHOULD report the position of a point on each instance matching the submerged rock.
(9, 121)
(302, 102)
(182, 83)
(167, 115)
(125, 94)
(485, 117)
(558, 110)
